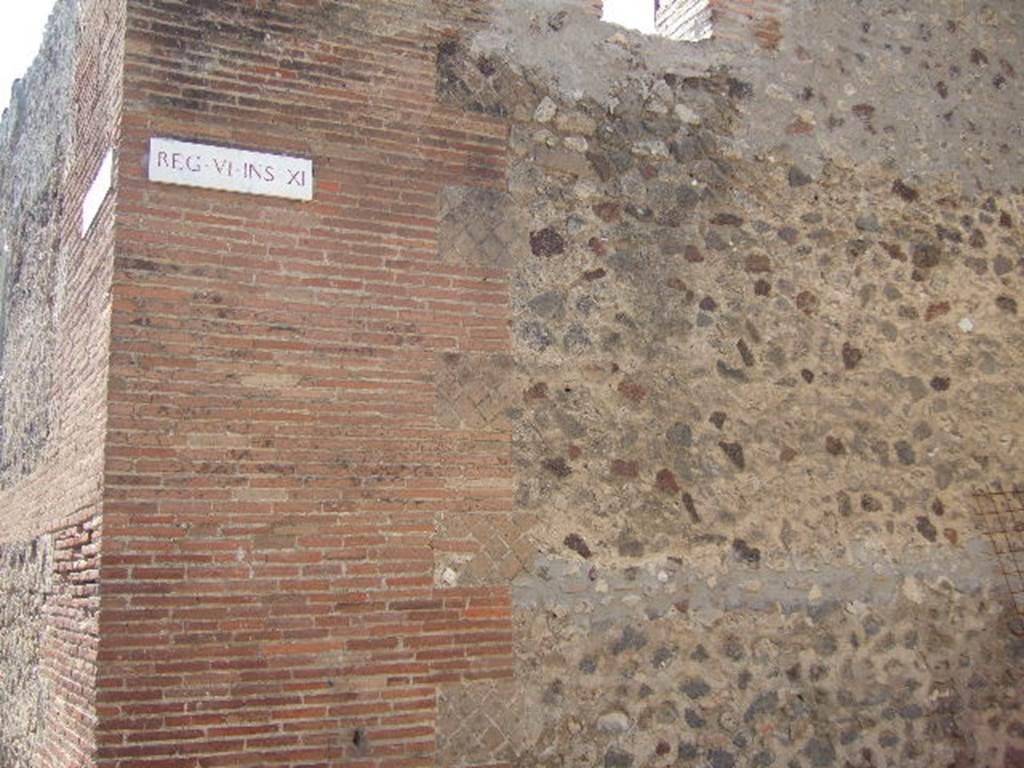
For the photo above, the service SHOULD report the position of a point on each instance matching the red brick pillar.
(280, 453)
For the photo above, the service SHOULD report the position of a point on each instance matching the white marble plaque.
(97, 193)
(230, 170)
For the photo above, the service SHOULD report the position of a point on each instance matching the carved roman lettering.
(228, 169)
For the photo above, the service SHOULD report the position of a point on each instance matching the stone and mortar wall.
(766, 345)
(28, 583)
(54, 305)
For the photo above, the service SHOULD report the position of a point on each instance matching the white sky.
(21, 33)
(636, 14)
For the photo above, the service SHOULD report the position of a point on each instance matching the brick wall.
(749, 22)
(63, 120)
(279, 462)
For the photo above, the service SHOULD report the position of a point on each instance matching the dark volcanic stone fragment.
(616, 758)
(789, 235)
(938, 309)
(765, 704)
(807, 302)
(538, 391)
(895, 251)
(691, 507)
(536, 335)
(851, 356)
(680, 434)
(693, 719)
(908, 193)
(735, 453)
(834, 446)
(549, 305)
(740, 89)
(1007, 304)
(576, 543)
(926, 255)
(745, 353)
(728, 372)
(905, 452)
(547, 242)
(718, 419)
(745, 552)
(630, 640)
(1014, 757)
(602, 165)
(695, 688)
(926, 528)
(727, 220)
(558, 467)
(608, 212)
(867, 222)
(870, 504)
(629, 545)
(664, 656)
(844, 504)
(666, 482)
(940, 383)
(632, 391)
(798, 177)
(719, 758)
(685, 151)
(758, 263)
(820, 752)
(627, 470)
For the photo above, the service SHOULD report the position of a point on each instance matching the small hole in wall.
(687, 20)
(632, 14)
(360, 742)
